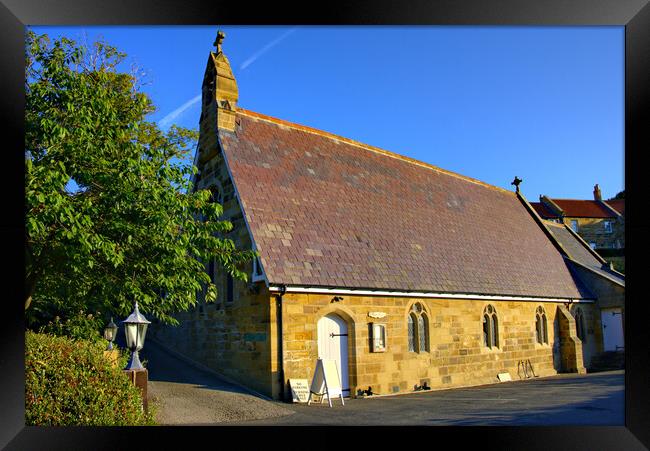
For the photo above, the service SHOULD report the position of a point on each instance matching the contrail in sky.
(165, 121)
(264, 49)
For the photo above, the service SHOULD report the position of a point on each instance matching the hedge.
(70, 382)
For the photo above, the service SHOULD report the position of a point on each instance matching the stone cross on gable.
(219, 39)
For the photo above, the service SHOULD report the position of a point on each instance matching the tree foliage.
(133, 227)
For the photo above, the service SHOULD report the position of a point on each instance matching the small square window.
(378, 338)
(608, 226)
(592, 245)
(574, 225)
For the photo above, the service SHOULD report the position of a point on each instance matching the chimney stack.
(597, 195)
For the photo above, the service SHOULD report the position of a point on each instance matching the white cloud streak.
(266, 48)
(166, 121)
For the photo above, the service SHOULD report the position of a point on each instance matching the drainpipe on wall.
(283, 290)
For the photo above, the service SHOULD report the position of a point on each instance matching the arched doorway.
(333, 345)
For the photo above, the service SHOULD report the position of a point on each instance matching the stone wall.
(457, 356)
(609, 295)
(233, 340)
(570, 345)
(592, 230)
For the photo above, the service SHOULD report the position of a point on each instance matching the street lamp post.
(110, 331)
(135, 329)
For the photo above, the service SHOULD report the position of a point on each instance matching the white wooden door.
(612, 322)
(333, 345)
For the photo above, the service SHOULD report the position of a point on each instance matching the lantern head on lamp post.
(110, 332)
(135, 329)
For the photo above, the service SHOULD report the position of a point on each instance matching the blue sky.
(543, 103)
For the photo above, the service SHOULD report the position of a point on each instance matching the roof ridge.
(375, 149)
(552, 223)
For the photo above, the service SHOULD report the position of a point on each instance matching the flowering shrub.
(78, 325)
(70, 382)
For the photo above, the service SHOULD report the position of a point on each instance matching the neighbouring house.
(607, 285)
(404, 273)
(601, 223)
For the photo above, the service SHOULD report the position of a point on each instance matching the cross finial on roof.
(218, 40)
(516, 182)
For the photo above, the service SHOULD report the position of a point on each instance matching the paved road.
(187, 395)
(594, 399)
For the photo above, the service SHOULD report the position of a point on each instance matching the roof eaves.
(598, 273)
(326, 289)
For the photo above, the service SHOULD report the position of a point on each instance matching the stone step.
(607, 361)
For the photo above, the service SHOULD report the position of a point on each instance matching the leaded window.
(422, 335)
(411, 332)
(490, 327)
(418, 329)
(540, 325)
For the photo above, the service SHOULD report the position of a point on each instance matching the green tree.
(620, 195)
(131, 226)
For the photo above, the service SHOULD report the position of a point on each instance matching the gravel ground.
(187, 395)
(184, 404)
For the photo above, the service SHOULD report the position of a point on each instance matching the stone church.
(406, 274)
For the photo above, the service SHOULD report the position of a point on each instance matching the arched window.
(418, 329)
(540, 325)
(490, 327)
(423, 328)
(411, 331)
(580, 324)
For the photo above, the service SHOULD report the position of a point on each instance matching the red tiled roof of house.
(574, 208)
(331, 212)
(617, 204)
(543, 211)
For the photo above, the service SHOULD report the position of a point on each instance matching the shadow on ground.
(164, 367)
(596, 399)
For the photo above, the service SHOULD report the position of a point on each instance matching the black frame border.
(634, 15)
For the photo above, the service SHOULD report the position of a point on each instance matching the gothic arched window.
(540, 325)
(418, 329)
(490, 327)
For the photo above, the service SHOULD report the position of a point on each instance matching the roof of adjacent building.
(580, 252)
(617, 204)
(543, 210)
(575, 208)
(326, 211)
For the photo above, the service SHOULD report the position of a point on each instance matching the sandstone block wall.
(592, 230)
(457, 356)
